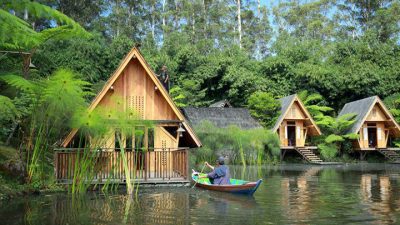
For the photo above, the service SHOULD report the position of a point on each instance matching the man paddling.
(220, 174)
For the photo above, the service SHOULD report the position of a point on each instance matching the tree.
(17, 35)
(264, 107)
(314, 103)
(335, 130)
(393, 103)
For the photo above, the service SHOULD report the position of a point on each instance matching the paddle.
(197, 175)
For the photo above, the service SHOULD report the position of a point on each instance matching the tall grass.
(101, 124)
(246, 147)
(58, 104)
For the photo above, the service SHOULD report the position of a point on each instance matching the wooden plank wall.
(378, 117)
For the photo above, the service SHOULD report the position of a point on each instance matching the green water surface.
(289, 194)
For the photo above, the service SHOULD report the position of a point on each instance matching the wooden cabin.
(160, 154)
(294, 126)
(375, 125)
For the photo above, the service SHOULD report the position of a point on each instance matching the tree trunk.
(205, 19)
(176, 14)
(152, 21)
(163, 18)
(239, 23)
(193, 23)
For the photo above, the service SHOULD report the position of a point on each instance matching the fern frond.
(351, 136)
(20, 83)
(8, 111)
(313, 98)
(333, 138)
(17, 34)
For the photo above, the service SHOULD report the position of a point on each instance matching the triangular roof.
(221, 117)
(221, 104)
(286, 103)
(135, 53)
(363, 108)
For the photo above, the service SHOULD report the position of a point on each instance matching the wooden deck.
(147, 167)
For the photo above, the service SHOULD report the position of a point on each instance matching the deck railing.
(106, 165)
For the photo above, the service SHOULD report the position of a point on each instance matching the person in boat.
(220, 174)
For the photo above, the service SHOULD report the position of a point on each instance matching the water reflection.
(296, 194)
(290, 194)
(378, 198)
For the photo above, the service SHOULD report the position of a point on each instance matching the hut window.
(291, 122)
(139, 137)
(371, 124)
(117, 137)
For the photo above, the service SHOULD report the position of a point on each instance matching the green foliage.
(15, 33)
(264, 107)
(333, 138)
(53, 103)
(328, 151)
(178, 96)
(253, 146)
(314, 103)
(393, 104)
(336, 137)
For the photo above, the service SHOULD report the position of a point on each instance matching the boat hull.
(247, 188)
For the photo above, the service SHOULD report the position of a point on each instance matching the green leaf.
(333, 138)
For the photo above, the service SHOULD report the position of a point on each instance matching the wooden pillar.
(283, 152)
(362, 155)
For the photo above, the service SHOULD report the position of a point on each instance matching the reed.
(253, 146)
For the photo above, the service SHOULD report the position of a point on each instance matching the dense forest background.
(228, 49)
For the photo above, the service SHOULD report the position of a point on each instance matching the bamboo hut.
(162, 154)
(294, 126)
(375, 126)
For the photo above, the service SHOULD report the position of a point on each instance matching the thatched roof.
(221, 117)
(362, 109)
(222, 104)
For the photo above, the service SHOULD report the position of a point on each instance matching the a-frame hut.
(294, 126)
(163, 152)
(374, 124)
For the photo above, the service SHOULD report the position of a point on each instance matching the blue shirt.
(220, 175)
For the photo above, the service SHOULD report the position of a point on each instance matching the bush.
(264, 107)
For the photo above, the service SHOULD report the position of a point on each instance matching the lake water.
(289, 194)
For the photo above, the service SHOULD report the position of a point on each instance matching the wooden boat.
(236, 186)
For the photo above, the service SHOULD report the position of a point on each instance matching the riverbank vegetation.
(245, 147)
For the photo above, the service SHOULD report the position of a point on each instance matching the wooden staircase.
(309, 155)
(390, 155)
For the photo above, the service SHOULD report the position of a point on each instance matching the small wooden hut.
(375, 125)
(294, 125)
(160, 155)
